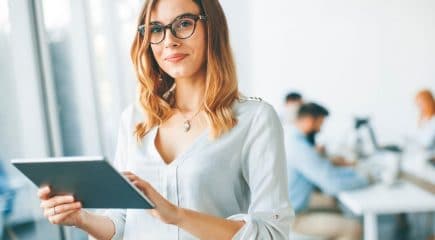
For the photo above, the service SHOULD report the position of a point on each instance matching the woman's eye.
(156, 29)
(185, 23)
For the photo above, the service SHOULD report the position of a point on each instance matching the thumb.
(148, 190)
(143, 186)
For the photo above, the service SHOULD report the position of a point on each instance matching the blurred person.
(425, 136)
(309, 170)
(426, 122)
(293, 100)
(211, 161)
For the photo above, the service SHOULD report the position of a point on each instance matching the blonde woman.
(212, 162)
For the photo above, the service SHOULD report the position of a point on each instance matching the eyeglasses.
(182, 27)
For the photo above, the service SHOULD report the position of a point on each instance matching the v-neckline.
(175, 161)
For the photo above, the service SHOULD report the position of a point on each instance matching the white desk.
(403, 197)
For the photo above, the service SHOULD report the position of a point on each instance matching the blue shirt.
(308, 169)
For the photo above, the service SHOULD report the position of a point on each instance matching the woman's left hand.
(164, 210)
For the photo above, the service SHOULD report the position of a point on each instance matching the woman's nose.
(170, 40)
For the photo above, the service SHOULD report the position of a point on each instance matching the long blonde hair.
(221, 88)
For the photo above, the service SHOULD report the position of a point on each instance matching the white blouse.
(239, 176)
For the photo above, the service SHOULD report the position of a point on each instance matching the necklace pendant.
(187, 125)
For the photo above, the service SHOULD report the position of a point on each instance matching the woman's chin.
(179, 74)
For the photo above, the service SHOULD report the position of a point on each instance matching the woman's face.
(180, 58)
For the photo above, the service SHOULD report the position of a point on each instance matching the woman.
(426, 122)
(211, 162)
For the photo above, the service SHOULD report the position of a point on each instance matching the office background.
(65, 71)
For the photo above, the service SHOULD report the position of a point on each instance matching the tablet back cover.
(96, 184)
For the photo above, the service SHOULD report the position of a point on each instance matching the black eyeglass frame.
(141, 29)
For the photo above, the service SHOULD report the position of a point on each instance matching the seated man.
(308, 170)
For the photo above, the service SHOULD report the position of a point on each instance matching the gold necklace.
(187, 121)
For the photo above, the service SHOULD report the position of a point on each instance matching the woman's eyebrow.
(155, 22)
(181, 15)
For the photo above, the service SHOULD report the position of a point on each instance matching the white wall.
(366, 57)
(238, 15)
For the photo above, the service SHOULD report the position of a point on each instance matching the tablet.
(91, 180)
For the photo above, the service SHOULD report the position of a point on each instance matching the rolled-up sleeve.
(264, 168)
(273, 224)
(118, 218)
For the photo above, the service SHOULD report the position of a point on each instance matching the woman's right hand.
(60, 209)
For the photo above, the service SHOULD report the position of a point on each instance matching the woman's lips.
(175, 57)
